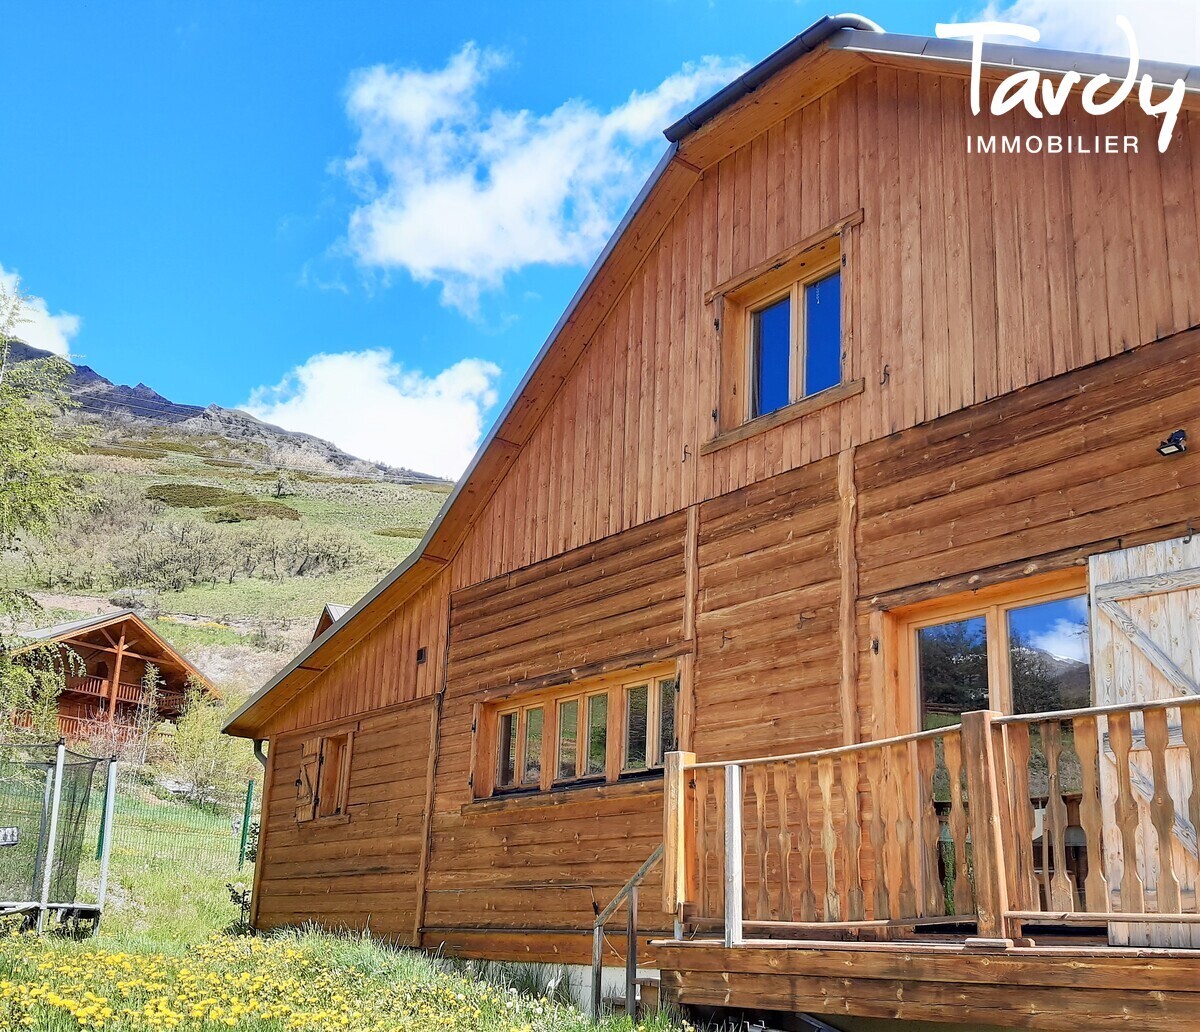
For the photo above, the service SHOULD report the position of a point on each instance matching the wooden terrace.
(973, 871)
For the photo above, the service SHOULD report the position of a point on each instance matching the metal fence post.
(733, 855)
(246, 824)
(106, 833)
(48, 870)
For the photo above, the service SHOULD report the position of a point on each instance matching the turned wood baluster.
(874, 766)
(903, 786)
(761, 841)
(703, 843)
(1162, 811)
(1058, 885)
(1190, 717)
(1120, 736)
(833, 906)
(964, 900)
(855, 903)
(779, 772)
(808, 900)
(933, 899)
(1019, 751)
(1091, 816)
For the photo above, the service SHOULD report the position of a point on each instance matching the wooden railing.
(628, 895)
(1104, 805)
(985, 825)
(99, 686)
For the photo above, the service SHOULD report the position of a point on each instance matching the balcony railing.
(1080, 817)
(133, 694)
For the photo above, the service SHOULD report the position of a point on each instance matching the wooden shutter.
(306, 781)
(1145, 624)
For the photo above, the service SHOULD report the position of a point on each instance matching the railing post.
(733, 854)
(984, 821)
(597, 967)
(631, 950)
(679, 842)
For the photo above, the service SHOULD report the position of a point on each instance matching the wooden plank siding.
(970, 276)
(362, 871)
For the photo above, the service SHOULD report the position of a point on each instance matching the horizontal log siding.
(363, 871)
(767, 662)
(541, 861)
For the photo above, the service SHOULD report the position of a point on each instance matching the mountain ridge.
(101, 400)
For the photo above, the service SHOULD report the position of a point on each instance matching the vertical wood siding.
(971, 276)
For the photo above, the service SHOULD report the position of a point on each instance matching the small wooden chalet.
(105, 675)
(818, 629)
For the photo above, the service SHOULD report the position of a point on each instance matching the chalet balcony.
(127, 694)
(999, 860)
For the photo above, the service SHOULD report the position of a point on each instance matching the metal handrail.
(628, 891)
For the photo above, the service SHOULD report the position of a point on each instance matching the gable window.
(323, 784)
(795, 343)
(780, 337)
(592, 732)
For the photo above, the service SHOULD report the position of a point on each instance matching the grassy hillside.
(201, 532)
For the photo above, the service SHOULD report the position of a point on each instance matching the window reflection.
(953, 670)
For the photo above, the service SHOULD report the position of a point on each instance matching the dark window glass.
(531, 772)
(597, 744)
(771, 337)
(568, 739)
(823, 334)
(668, 693)
(952, 660)
(508, 749)
(638, 702)
(1048, 656)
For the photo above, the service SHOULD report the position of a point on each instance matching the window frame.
(319, 748)
(796, 291)
(487, 749)
(730, 303)
(993, 604)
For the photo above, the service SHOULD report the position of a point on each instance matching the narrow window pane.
(771, 350)
(532, 768)
(637, 700)
(952, 661)
(568, 739)
(507, 772)
(668, 738)
(597, 745)
(1049, 656)
(823, 334)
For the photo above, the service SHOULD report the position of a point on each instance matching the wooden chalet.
(105, 676)
(831, 577)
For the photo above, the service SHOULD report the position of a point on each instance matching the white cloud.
(1067, 639)
(459, 195)
(370, 405)
(38, 326)
(1166, 30)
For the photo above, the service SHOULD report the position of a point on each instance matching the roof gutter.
(805, 43)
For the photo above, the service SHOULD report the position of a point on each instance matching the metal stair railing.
(628, 891)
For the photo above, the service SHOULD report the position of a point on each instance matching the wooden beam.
(988, 854)
(848, 596)
(116, 678)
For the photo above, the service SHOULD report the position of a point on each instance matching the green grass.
(304, 981)
(412, 530)
(186, 635)
(193, 496)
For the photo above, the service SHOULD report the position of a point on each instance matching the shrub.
(253, 509)
(193, 496)
(411, 530)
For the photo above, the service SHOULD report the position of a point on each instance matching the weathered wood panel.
(971, 276)
(382, 670)
(360, 871)
(768, 660)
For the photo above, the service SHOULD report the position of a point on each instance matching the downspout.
(259, 754)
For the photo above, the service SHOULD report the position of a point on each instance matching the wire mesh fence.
(43, 820)
(155, 825)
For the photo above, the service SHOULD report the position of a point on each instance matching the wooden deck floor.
(1040, 987)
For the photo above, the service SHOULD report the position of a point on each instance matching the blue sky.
(209, 197)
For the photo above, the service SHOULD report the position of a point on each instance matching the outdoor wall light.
(1176, 444)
